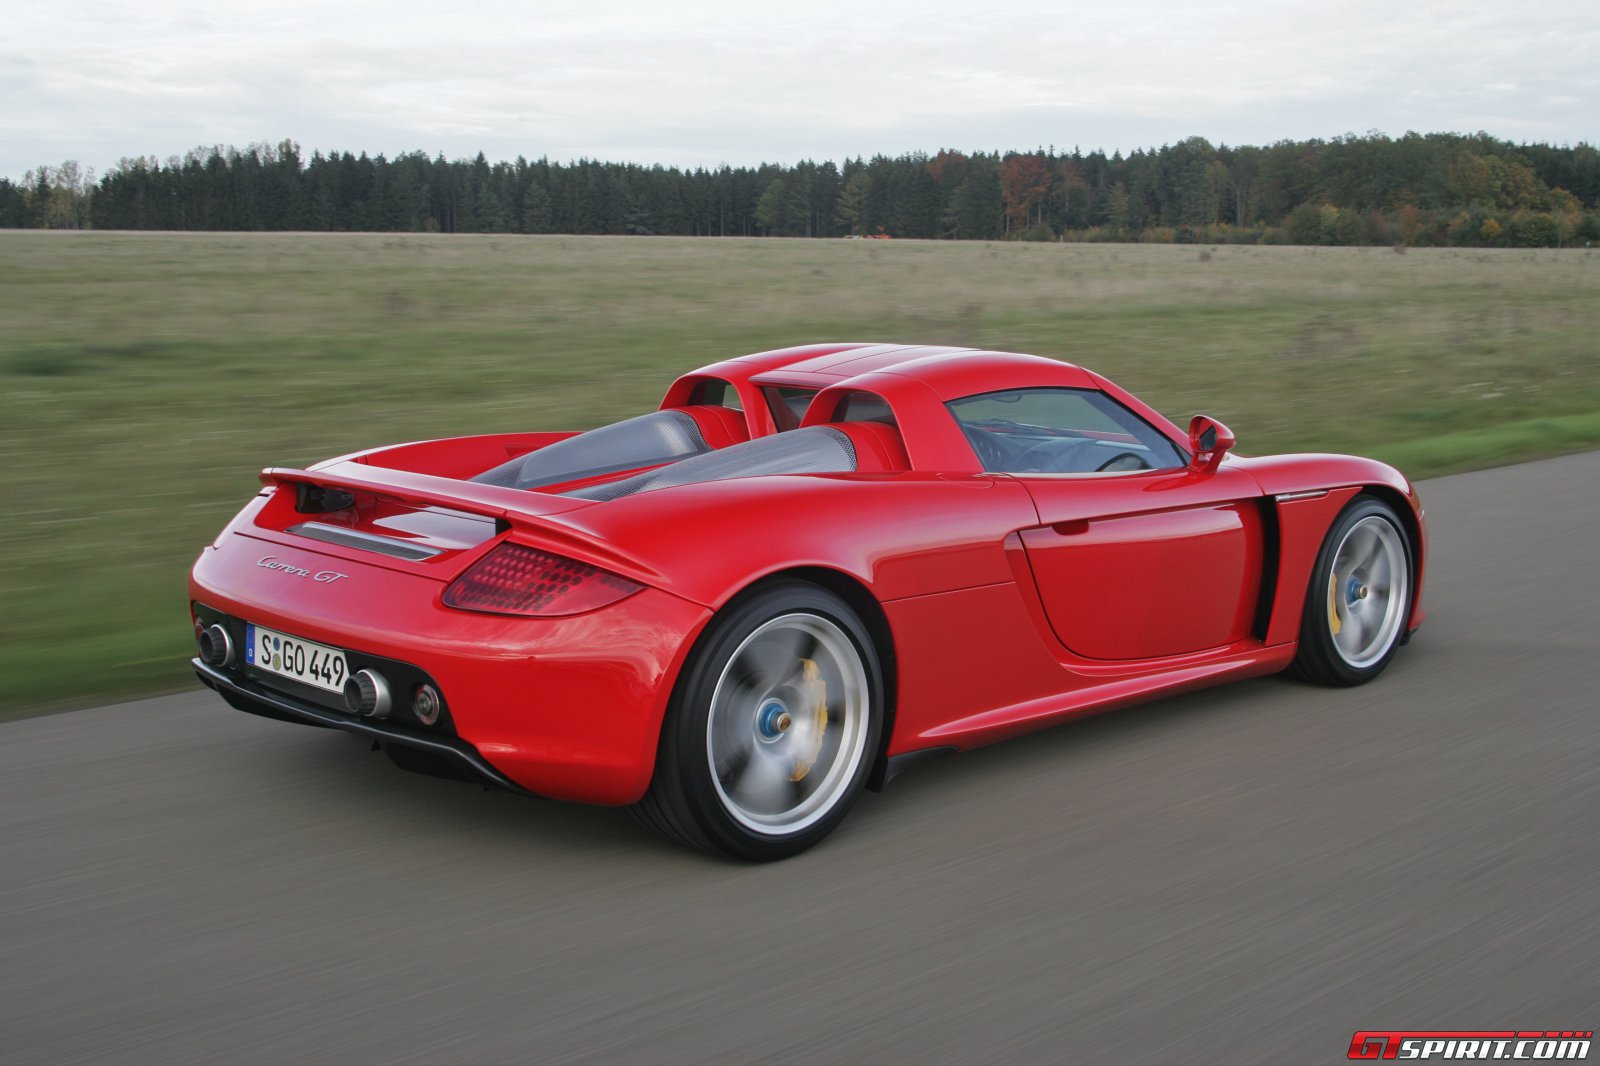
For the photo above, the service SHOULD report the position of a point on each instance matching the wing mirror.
(1209, 441)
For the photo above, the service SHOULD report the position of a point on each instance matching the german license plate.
(304, 661)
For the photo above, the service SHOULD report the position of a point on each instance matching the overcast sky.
(703, 82)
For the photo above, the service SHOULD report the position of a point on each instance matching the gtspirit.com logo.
(1471, 1044)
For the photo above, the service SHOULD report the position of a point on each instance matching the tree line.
(1419, 189)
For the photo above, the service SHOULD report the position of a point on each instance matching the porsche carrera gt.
(807, 570)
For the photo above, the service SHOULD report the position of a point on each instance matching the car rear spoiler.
(520, 510)
(426, 490)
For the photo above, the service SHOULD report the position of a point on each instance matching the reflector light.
(514, 579)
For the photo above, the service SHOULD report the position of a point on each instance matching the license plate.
(305, 661)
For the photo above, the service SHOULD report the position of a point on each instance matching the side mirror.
(1209, 441)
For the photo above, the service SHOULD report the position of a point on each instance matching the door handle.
(1073, 528)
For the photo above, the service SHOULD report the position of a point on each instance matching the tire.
(1360, 596)
(772, 728)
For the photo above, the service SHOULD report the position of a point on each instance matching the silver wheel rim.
(788, 724)
(1368, 591)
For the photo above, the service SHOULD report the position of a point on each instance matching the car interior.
(1060, 431)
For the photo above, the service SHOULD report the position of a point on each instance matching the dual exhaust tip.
(366, 693)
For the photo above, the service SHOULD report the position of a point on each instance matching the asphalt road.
(1249, 874)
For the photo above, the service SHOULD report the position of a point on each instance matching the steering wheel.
(1122, 461)
(991, 450)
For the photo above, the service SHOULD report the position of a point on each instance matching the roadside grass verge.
(146, 378)
(1498, 445)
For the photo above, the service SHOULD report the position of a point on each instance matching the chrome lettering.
(323, 577)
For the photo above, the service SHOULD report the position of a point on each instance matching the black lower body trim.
(895, 765)
(446, 751)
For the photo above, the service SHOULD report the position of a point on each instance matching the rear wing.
(521, 511)
(426, 490)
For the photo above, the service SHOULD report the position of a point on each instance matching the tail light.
(513, 579)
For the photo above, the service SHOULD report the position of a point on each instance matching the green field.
(148, 377)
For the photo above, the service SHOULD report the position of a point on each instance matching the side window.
(1060, 431)
(864, 407)
(788, 404)
(714, 392)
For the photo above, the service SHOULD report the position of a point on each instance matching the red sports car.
(808, 569)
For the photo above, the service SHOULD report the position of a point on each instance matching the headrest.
(879, 448)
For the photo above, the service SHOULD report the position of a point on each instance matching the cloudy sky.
(703, 82)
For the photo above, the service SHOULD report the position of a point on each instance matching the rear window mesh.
(649, 440)
(814, 450)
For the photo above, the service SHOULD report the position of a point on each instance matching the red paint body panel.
(1149, 564)
(1109, 694)
(1302, 523)
(1188, 598)
(897, 534)
(456, 457)
(566, 707)
(1025, 682)
(933, 439)
(1010, 600)
(1281, 475)
(427, 489)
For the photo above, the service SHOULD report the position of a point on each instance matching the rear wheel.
(1360, 597)
(772, 728)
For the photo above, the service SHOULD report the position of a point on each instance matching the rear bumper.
(568, 708)
(245, 696)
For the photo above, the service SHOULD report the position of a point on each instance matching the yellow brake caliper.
(814, 690)
(1333, 613)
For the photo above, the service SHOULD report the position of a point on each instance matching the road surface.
(1250, 873)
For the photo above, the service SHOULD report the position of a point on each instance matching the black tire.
(1335, 645)
(740, 686)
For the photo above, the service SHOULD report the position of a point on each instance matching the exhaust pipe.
(216, 647)
(367, 694)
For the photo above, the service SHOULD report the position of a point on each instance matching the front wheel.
(1360, 597)
(772, 728)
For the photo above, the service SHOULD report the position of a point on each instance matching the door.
(1122, 581)
(1136, 555)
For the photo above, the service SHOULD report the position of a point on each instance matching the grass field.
(147, 377)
